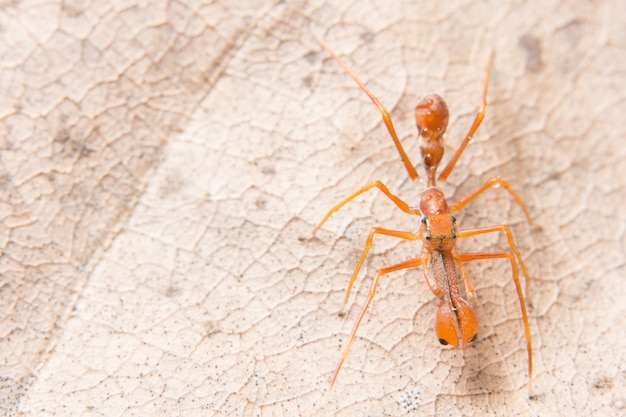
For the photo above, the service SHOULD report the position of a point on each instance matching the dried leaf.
(164, 163)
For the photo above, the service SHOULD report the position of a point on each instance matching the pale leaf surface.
(164, 163)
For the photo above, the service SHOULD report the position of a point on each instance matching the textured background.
(163, 164)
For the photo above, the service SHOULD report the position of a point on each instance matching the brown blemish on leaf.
(532, 47)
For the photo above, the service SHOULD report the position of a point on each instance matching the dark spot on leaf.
(532, 47)
(311, 57)
(367, 37)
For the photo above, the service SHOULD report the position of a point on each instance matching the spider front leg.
(509, 235)
(368, 246)
(469, 257)
(411, 263)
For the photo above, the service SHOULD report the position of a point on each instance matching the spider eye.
(424, 221)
